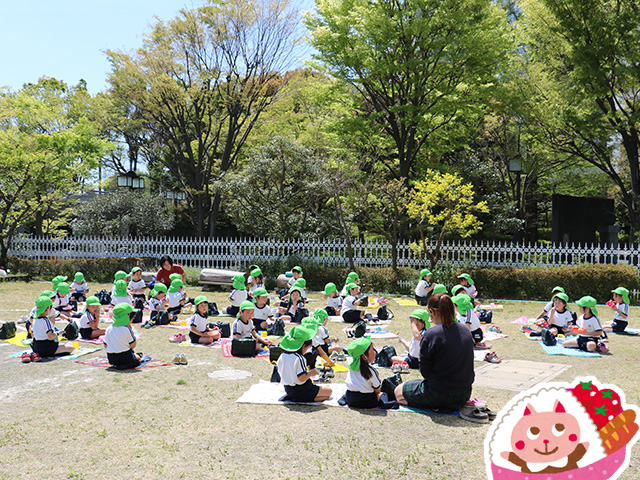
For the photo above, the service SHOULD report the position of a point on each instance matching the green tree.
(582, 63)
(416, 66)
(200, 83)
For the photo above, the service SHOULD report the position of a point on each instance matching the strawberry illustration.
(586, 393)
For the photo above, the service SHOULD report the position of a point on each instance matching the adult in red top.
(167, 267)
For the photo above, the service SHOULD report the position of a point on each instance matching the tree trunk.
(4, 249)
(213, 214)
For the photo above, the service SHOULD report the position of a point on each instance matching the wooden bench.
(16, 278)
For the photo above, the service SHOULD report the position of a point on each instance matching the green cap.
(467, 276)
(350, 286)
(421, 315)
(311, 322)
(297, 269)
(136, 269)
(175, 276)
(329, 288)
(47, 293)
(159, 287)
(558, 289)
(440, 288)
(562, 296)
(175, 285)
(121, 314)
(321, 314)
(78, 277)
(42, 303)
(424, 272)
(356, 349)
(256, 272)
(295, 289)
(246, 305)
(589, 302)
(93, 301)
(260, 292)
(624, 292)
(63, 287)
(238, 282)
(292, 341)
(199, 299)
(120, 274)
(58, 279)
(352, 277)
(121, 288)
(463, 302)
(301, 282)
(456, 288)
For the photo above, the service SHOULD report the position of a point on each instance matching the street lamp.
(131, 180)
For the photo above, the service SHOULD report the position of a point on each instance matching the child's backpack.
(71, 331)
(300, 315)
(485, 316)
(224, 327)
(213, 309)
(137, 318)
(384, 313)
(243, 347)
(364, 301)
(139, 304)
(383, 357)
(159, 317)
(8, 330)
(274, 353)
(277, 328)
(104, 297)
(360, 329)
(547, 338)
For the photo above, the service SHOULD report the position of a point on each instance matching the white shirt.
(348, 304)
(547, 308)
(118, 339)
(562, 319)
(52, 314)
(244, 329)
(357, 383)
(414, 345)
(237, 297)
(470, 318)
(590, 325)
(335, 302)
(624, 309)
(290, 367)
(79, 287)
(471, 290)
(421, 288)
(321, 336)
(60, 302)
(40, 327)
(173, 299)
(253, 288)
(201, 323)
(156, 303)
(133, 285)
(126, 299)
(85, 319)
(262, 313)
(291, 282)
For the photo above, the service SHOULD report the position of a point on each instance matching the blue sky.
(65, 39)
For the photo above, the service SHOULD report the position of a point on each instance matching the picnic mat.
(521, 321)
(267, 393)
(558, 349)
(226, 349)
(76, 354)
(490, 336)
(517, 375)
(104, 363)
(187, 343)
(629, 331)
(375, 332)
(18, 339)
(95, 341)
(406, 302)
(175, 325)
(491, 306)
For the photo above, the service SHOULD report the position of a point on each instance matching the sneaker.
(396, 368)
(35, 357)
(492, 358)
(176, 359)
(25, 358)
(476, 403)
(183, 359)
(177, 338)
(602, 347)
(404, 367)
(491, 415)
(474, 415)
(326, 371)
(526, 329)
(482, 346)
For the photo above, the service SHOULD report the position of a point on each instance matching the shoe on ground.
(602, 347)
(145, 358)
(35, 357)
(475, 403)
(491, 415)
(492, 358)
(526, 329)
(183, 359)
(482, 346)
(474, 415)
(396, 368)
(176, 359)
(177, 338)
(25, 358)
(404, 367)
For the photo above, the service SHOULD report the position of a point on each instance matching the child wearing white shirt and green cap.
(424, 288)
(620, 306)
(589, 328)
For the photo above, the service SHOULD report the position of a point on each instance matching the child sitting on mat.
(334, 301)
(90, 320)
(363, 382)
(119, 339)
(137, 287)
(466, 316)
(288, 309)
(544, 314)
(469, 285)
(620, 306)
(262, 313)
(199, 331)
(243, 326)
(352, 277)
(238, 295)
(350, 313)
(119, 275)
(175, 299)
(79, 288)
(120, 294)
(590, 328)
(423, 289)
(61, 299)
(419, 323)
(301, 283)
(45, 337)
(296, 273)
(255, 281)
(560, 317)
(292, 368)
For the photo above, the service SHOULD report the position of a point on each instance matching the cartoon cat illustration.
(546, 442)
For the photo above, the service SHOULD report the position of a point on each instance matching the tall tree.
(582, 61)
(417, 66)
(200, 83)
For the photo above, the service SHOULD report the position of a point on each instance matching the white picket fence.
(238, 253)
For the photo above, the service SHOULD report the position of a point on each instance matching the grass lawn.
(62, 420)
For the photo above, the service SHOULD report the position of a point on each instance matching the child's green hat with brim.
(175, 276)
(301, 282)
(238, 282)
(467, 276)
(311, 322)
(329, 288)
(295, 289)
(558, 289)
(119, 275)
(42, 303)
(356, 349)
(256, 272)
(136, 269)
(58, 279)
(350, 286)
(246, 305)
(47, 293)
(260, 292)
(463, 302)
(121, 288)
(624, 292)
(588, 302)
(199, 299)
(78, 277)
(121, 314)
(424, 272)
(175, 286)
(455, 289)
(63, 288)
(293, 341)
(93, 301)
(422, 315)
(352, 277)
(440, 288)
(321, 314)
(158, 287)
(297, 269)
(562, 296)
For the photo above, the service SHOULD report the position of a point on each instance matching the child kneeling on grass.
(419, 323)
(620, 306)
(119, 339)
(590, 328)
(292, 367)
(90, 320)
(199, 324)
(243, 326)
(45, 338)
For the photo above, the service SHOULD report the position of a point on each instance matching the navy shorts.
(86, 333)
(361, 400)
(351, 316)
(477, 335)
(123, 360)
(619, 325)
(257, 323)
(45, 348)
(330, 311)
(307, 392)
(194, 338)
(174, 310)
(422, 301)
(418, 394)
(233, 310)
(412, 361)
(583, 341)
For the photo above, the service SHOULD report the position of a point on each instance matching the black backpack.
(224, 327)
(301, 314)
(213, 309)
(71, 331)
(383, 358)
(8, 330)
(485, 316)
(360, 329)
(547, 338)
(384, 313)
(243, 347)
(104, 297)
(277, 329)
(364, 301)
(274, 353)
